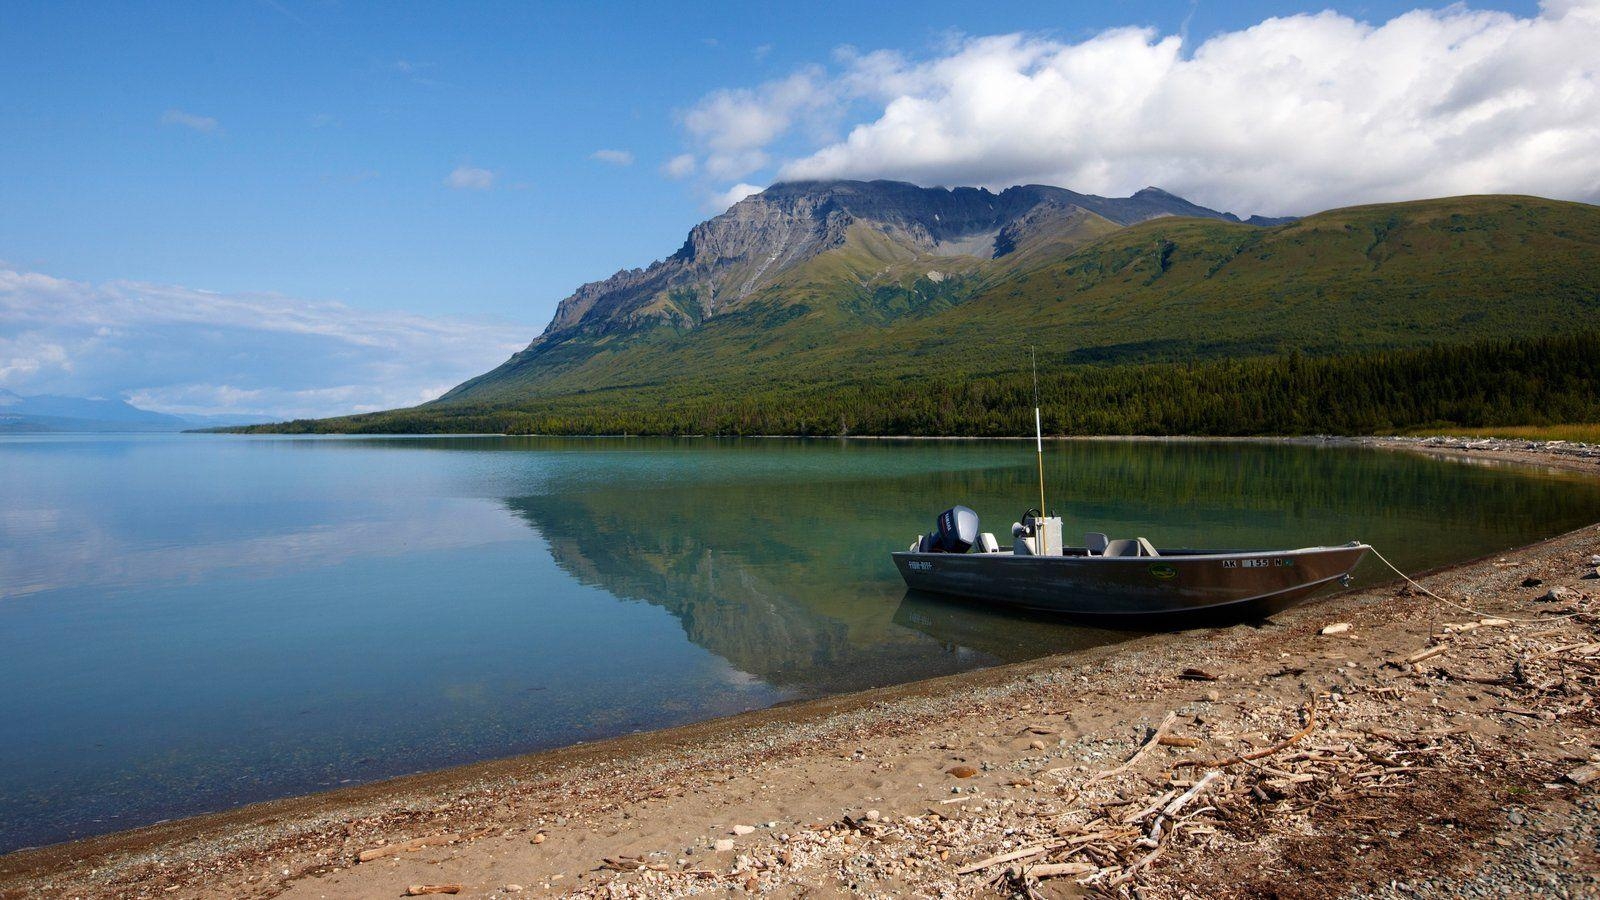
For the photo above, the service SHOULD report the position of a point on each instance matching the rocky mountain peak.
(730, 256)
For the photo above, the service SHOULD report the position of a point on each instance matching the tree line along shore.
(1485, 384)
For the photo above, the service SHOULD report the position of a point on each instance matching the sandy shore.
(1425, 750)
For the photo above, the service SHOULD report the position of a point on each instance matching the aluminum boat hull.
(1178, 584)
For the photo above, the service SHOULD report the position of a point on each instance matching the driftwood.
(418, 890)
(1152, 809)
(1024, 853)
(410, 846)
(1428, 653)
(1475, 679)
(1584, 774)
(623, 863)
(1138, 754)
(1056, 870)
(1311, 722)
(1173, 740)
(1183, 799)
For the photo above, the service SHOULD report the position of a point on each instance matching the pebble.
(1036, 745)
(743, 829)
(512, 888)
(723, 846)
(537, 839)
(873, 815)
(1559, 595)
(1337, 628)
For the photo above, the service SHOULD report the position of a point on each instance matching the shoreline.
(642, 801)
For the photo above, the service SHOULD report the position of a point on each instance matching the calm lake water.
(193, 622)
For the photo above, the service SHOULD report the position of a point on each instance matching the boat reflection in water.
(997, 634)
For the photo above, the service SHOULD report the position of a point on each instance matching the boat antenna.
(1038, 445)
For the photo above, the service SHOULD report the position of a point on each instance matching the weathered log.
(1056, 870)
(1584, 774)
(410, 846)
(419, 890)
(1024, 853)
(1428, 653)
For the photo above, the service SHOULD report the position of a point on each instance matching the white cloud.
(182, 350)
(1290, 115)
(468, 178)
(614, 157)
(734, 126)
(679, 167)
(720, 202)
(202, 124)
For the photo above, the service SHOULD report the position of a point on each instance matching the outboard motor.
(955, 531)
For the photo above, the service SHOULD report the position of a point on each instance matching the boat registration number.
(920, 566)
(1256, 563)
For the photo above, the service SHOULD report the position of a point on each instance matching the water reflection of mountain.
(808, 612)
(779, 564)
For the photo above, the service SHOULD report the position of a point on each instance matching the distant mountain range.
(819, 288)
(52, 413)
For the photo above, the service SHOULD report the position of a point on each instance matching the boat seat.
(1130, 547)
(987, 543)
(1095, 543)
(1022, 546)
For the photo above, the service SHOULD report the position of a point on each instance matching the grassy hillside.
(865, 333)
(1387, 276)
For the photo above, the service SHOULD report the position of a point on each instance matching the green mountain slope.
(1393, 275)
(876, 316)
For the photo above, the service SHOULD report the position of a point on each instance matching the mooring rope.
(1469, 609)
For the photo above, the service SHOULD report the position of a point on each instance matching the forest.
(1481, 384)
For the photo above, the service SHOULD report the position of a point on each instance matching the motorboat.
(1128, 580)
(1123, 581)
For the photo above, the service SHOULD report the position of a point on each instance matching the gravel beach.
(1376, 743)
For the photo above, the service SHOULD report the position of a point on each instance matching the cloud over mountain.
(1291, 115)
(183, 350)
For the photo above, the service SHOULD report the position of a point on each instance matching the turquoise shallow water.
(196, 621)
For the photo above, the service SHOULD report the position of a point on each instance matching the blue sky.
(440, 159)
(337, 124)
